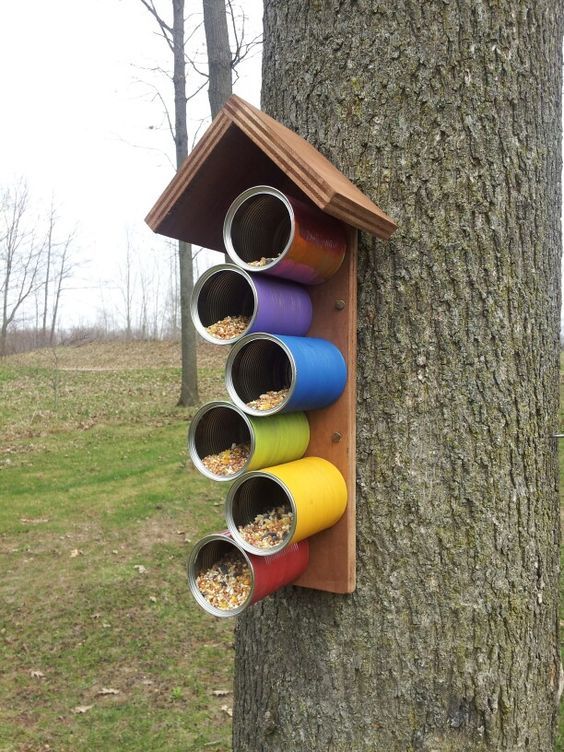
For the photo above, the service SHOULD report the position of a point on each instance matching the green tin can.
(224, 442)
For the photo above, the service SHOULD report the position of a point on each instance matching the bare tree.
(63, 270)
(57, 266)
(47, 275)
(174, 35)
(221, 64)
(20, 258)
(126, 288)
(219, 54)
(227, 45)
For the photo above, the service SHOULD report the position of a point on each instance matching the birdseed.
(268, 529)
(262, 261)
(227, 583)
(269, 400)
(229, 461)
(229, 327)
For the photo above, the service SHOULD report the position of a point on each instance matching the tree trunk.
(189, 383)
(448, 116)
(46, 288)
(219, 54)
(189, 387)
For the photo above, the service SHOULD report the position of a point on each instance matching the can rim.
(200, 282)
(229, 499)
(237, 347)
(191, 440)
(190, 571)
(257, 190)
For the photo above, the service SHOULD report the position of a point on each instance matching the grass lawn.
(101, 645)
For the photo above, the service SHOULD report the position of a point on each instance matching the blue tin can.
(267, 374)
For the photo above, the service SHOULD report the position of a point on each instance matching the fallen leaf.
(220, 692)
(74, 553)
(108, 691)
(140, 568)
(82, 709)
(115, 551)
(152, 599)
(105, 625)
(37, 674)
(228, 710)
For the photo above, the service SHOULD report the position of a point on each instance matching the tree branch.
(165, 28)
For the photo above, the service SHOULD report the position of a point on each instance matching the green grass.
(98, 508)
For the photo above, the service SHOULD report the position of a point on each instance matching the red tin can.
(265, 573)
(270, 232)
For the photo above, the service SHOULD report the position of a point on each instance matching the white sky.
(78, 121)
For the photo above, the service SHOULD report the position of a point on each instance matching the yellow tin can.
(267, 510)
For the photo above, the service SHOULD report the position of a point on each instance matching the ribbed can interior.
(218, 429)
(226, 293)
(261, 226)
(211, 552)
(260, 366)
(256, 495)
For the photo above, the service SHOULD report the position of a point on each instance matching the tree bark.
(219, 54)
(447, 114)
(189, 386)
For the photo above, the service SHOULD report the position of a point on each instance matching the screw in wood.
(337, 436)
(339, 304)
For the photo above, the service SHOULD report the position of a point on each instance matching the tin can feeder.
(215, 555)
(270, 232)
(294, 373)
(312, 488)
(268, 305)
(218, 427)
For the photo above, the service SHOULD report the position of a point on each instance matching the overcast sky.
(79, 121)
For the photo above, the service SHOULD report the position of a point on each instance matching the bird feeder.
(308, 373)
(239, 443)
(311, 494)
(225, 579)
(268, 231)
(264, 304)
(254, 189)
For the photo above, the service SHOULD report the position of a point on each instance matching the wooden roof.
(244, 147)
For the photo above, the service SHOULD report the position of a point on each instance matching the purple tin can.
(269, 232)
(270, 305)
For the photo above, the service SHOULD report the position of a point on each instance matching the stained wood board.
(332, 564)
(244, 147)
